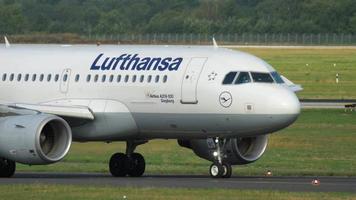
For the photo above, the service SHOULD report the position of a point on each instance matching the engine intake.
(34, 139)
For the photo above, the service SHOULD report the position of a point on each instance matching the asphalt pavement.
(292, 184)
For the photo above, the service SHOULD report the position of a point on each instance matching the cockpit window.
(277, 77)
(244, 77)
(261, 77)
(229, 78)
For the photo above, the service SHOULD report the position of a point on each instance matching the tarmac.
(347, 104)
(291, 184)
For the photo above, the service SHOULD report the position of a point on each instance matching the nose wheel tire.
(218, 170)
(227, 170)
(7, 168)
(121, 165)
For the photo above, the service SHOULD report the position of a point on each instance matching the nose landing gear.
(220, 169)
(131, 164)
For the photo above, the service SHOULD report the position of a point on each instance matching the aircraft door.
(190, 80)
(64, 81)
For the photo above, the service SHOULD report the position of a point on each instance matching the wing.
(6, 111)
(291, 85)
(79, 112)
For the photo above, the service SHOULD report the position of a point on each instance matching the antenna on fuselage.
(215, 43)
(7, 43)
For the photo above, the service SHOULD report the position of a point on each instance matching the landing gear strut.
(7, 168)
(219, 168)
(131, 164)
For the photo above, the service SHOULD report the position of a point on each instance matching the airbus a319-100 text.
(220, 103)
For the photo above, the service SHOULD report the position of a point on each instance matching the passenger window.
(12, 77)
(65, 77)
(134, 77)
(77, 78)
(56, 78)
(4, 77)
(49, 77)
(165, 78)
(27, 76)
(142, 78)
(118, 78)
(111, 79)
(126, 78)
(103, 79)
(149, 78)
(96, 77)
(88, 78)
(261, 77)
(229, 78)
(41, 77)
(34, 76)
(19, 76)
(243, 77)
(157, 79)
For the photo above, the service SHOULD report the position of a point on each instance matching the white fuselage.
(158, 92)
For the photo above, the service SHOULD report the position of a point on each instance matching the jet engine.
(34, 139)
(235, 151)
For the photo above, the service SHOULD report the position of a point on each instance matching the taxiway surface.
(293, 184)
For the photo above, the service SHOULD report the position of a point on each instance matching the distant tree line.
(177, 16)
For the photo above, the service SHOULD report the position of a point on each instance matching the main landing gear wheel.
(131, 164)
(137, 165)
(7, 168)
(121, 165)
(118, 165)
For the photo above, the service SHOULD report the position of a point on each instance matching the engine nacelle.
(237, 151)
(34, 139)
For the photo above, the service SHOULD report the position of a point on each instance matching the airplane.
(220, 103)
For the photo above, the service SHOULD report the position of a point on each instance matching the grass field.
(314, 69)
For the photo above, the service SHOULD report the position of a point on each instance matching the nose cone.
(284, 102)
(284, 106)
(289, 103)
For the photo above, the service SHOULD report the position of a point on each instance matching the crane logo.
(225, 99)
